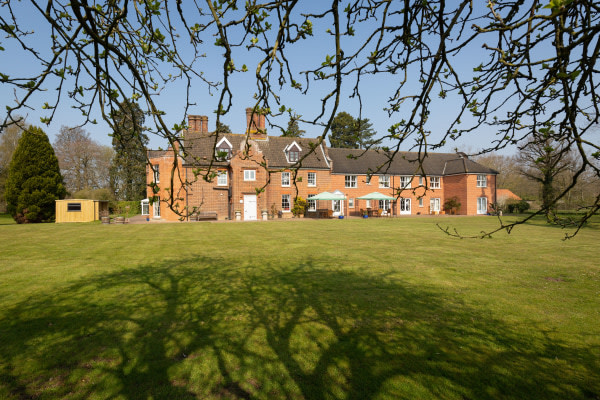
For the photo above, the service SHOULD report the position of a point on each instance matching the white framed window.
(384, 181)
(223, 150)
(405, 182)
(434, 182)
(384, 205)
(222, 178)
(421, 202)
(223, 153)
(312, 179)
(351, 202)
(368, 203)
(156, 173)
(249, 175)
(350, 181)
(292, 152)
(285, 179)
(312, 204)
(482, 205)
(481, 181)
(285, 202)
(434, 204)
(368, 179)
(145, 207)
(420, 181)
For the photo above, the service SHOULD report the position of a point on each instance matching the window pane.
(285, 202)
(73, 206)
(384, 181)
(405, 182)
(285, 179)
(312, 204)
(222, 178)
(350, 181)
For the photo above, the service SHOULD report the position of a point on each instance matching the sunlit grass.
(388, 308)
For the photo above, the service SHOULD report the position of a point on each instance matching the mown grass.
(353, 309)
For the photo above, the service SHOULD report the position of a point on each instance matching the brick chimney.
(255, 123)
(198, 123)
(203, 124)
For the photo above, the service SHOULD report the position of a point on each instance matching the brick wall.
(276, 190)
(208, 196)
(413, 193)
(165, 166)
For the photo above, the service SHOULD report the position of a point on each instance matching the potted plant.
(452, 205)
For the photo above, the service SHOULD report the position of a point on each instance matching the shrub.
(34, 181)
(522, 206)
(125, 208)
(94, 194)
(299, 206)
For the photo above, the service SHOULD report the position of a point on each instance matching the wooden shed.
(80, 210)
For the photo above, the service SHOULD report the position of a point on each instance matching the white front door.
(250, 207)
(156, 207)
(481, 205)
(338, 207)
(404, 206)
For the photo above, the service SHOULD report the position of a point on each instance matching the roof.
(504, 194)
(355, 161)
(273, 150)
(158, 153)
(201, 149)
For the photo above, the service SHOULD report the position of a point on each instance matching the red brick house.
(254, 173)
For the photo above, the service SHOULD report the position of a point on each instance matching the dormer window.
(292, 152)
(223, 150)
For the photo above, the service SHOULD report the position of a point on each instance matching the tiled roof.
(505, 194)
(273, 150)
(403, 163)
(158, 153)
(201, 147)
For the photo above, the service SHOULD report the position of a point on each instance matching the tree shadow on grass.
(210, 328)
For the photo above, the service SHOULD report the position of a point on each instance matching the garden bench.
(205, 216)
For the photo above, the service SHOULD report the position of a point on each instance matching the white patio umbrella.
(376, 196)
(329, 196)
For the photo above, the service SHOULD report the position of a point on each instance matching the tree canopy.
(84, 163)
(351, 133)
(507, 67)
(34, 181)
(9, 140)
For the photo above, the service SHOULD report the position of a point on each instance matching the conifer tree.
(351, 133)
(128, 169)
(293, 129)
(34, 180)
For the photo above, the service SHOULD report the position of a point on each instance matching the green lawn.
(336, 309)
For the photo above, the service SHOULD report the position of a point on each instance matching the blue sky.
(374, 90)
